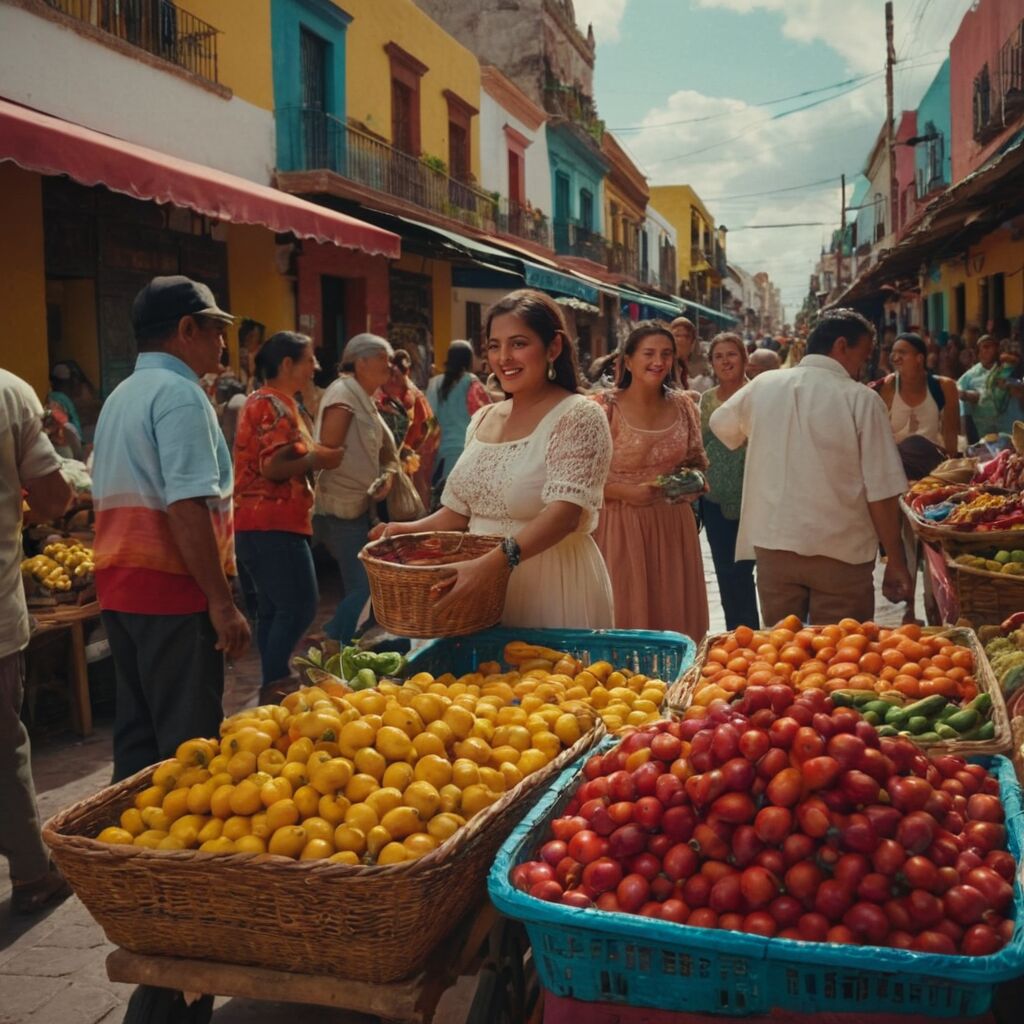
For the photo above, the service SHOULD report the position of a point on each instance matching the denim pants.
(170, 682)
(735, 579)
(279, 566)
(345, 538)
(20, 841)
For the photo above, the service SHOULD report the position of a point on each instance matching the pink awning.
(48, 145)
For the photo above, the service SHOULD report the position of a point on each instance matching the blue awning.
(562, 284)
(651, 307)
(707, 311)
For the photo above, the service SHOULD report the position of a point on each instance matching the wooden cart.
(486, 946)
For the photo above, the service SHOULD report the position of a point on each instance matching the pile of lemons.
(59, 565)
(377, 776)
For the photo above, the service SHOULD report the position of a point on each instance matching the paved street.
(52, 966)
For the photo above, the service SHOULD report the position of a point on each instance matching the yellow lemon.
(360, 787)
(151, 796)
(459, 720)
(548, 743)
(219, 845)
(295, 773)
(222, 779)
(250, 844)
(405, 719)
(443, 826)
(483, 728)
(220, 802)
(176, 804)
(237, 826)
(332, 775)
(166, 774)
(246, 798)
(343, 857)
(155, 817)
(434, 769)
(288, 841)
(451, 797)
(241, 765)
(196, 753)
(429, 706)
(443, 731)
(116, 836)
(300, 751)
(260, 828)
(511, 716)
(531, 760)
(171, 843)
(276, 789)
(317, 758)
(199, 797)
(211, 830)
(476, 798)
(271, 761)
(474, 749)
(384, 800)
(492, 779)
(376, 839)
(307, 799)
(511, 773)
(393, 743)
(333, 808)
(418, 844)
(247, 738)
(423, 798)
(428, 743)
(506, 754)
(316, 849)
(348, 837)
(362, 817)
(400, 774)
(356, 735)
(401, 821)
(131, 821)
(371, 762)
(465, 773)
(368, 702)
(519, 737)
(393, 853)
(599, 697)
(187, 828)
(567, 729)
(280, 814)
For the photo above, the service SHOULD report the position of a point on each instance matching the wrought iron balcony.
(572, 239)
(523, 222)
(570, 102)
(311, 140)
(159, 27)
(623, 261)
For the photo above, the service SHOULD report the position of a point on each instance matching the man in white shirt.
(821, 482)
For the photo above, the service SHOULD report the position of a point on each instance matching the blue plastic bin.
(663, 656)
(598, 956)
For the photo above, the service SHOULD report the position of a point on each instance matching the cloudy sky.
(689, 87)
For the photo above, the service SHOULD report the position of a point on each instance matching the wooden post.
(890, 126)
(842, 238)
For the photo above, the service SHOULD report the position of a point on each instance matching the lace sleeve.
(577, 460)
(696, 458)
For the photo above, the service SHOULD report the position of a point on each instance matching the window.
(313, 65)
(460, 120)
(515, 178)
(960, 303)
(982, 106)
(406, 72)
(474, 324)
(586, 209)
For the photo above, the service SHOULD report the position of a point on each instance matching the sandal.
(31, 897)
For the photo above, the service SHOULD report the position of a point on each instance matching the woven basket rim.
(55, 838)
(367, 556)
(1002, 577)
(937, 533)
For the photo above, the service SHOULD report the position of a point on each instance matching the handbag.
(403, 501)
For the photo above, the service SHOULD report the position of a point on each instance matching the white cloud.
(604, 15)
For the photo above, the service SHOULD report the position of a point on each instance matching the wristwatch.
(510, 547)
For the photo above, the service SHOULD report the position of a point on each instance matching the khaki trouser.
(20, 841)
(817, 589)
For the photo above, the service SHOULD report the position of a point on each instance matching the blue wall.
(583, 165)
(287, 18)
(934, 108)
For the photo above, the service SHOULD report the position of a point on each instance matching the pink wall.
(906, 128)
(367, 292)
(978, 39)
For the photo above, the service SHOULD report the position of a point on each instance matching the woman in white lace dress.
(533, 471)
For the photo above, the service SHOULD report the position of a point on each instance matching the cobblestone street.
(52, 967)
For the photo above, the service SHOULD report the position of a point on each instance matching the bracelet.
(510, 548)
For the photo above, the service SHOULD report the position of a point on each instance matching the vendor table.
(71, 617)
(485, 945)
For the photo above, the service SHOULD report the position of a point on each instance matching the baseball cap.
(165, 300)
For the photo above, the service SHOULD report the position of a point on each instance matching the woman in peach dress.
(650, 543)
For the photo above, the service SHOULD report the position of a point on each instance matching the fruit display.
(1005, 470)
(1004, 647)
(904, 680)
(377, 776)
(977, 509)
(786, 816)
(61, 567)
(1008, 563)
(355, 668)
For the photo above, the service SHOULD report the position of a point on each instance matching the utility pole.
(842, 236)
(890, 127)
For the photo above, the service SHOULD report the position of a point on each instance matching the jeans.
(170, 681)
(735, 579)
(280, 567)
(20, 841)
(345, 538)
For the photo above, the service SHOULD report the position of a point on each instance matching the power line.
(796, 224)
(772, 191)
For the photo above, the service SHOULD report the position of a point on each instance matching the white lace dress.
(502, 486)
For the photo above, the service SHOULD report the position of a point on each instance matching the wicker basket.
(376, 923)
(679, 697)
(1017, 753)
(960, 541)
(986, 598)
(403, 597)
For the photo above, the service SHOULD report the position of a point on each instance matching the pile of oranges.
(849, 655)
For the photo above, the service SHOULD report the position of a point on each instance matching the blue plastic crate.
(598, 956)
(663, 656)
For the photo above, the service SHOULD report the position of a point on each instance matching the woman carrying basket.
(533, 471)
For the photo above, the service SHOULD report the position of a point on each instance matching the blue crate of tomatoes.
(772, 857)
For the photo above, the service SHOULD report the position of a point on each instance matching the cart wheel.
(508, 988)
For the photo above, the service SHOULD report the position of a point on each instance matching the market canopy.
(47, 145)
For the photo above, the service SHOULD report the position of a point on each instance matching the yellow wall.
(22, 284)
(243, 47)
(627, 208)
(258, 291)
(368, 68)
(675, 203)
(79, 334)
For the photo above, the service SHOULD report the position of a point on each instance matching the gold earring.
(551, 371)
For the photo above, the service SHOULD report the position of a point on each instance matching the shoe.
(31, 897)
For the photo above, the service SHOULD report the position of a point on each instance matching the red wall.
(367, 293)
(906, 128)
(978, 39)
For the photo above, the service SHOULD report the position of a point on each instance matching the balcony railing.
(572, 239)
(159, 27)
(574, 105)
(623, 261)
(523, 222)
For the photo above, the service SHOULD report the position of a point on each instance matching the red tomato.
(885, 819)
(725, 743)
(773, 824)
(735, 808)
(772, 763)
(997, 891)
(675, 910)
(814, 818)
(665, 747)
(785, 788)
(548, 890)
(875, 888)
(845, 748)
(678, 823)
(807, 743)
(568, 872)
(933, 942)
(726, 895)
(857, 834)
(1002, 863)
(754, 744)
(980, 940)
(783, 732)
(908, 793)
(813, 927)
(920, 873)
(850, 869)
(680, 862)
(703, 917)
(648, 811)
(759, 922)
(576, 898)
(787, 911)
(981, 807)
(566, 828)
(797, 847)
(645, 864)
(697, 890)
(820, 772)
(802, 881)
(985, 835)
(859, 787)
(669, 790)
(632, 893)
(888, 857)
(868, 922)
(586, 846)
(832, 899)
(759, 887)
(840, 935)
(916, 831)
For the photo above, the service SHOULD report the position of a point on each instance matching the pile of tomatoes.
(849, 655)
(782, 815)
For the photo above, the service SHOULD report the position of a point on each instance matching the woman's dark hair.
(919, 345)
(836, 324)
(644, 329)
(276, 349)
(247, 326)
(401, 360)
(457, 362)
(544, 317)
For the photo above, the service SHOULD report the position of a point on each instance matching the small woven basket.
(403, 597)
(374, 923)
(986, 598)
(960, 541)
